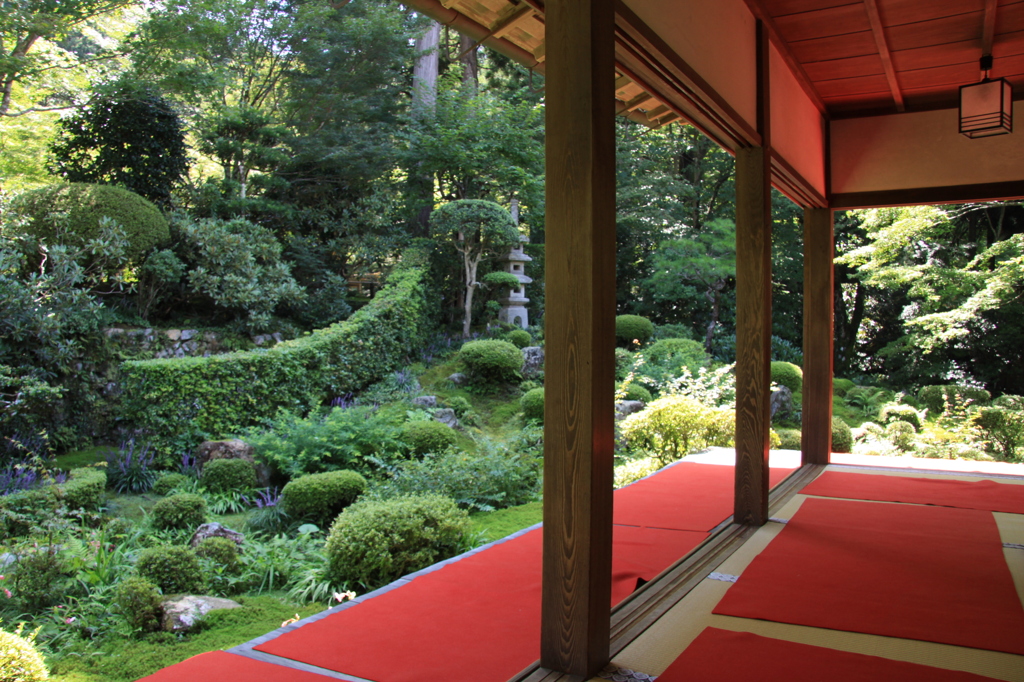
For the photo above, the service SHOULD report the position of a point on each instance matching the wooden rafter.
(511, 20)
(883, 51)
(756, 8)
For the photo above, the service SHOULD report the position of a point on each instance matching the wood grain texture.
(878, 30)
(753, 311)
(819, 282)
(580, 272)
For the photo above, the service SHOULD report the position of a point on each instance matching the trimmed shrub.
(790, 439)
(175, 570)
(774, 441)
(184, 510)
(623, 363)
(84, 205)
(841, 386)
(20, 661)
(375, 542)
(901, 434)
(84, 489)
(427, 436)
(789, 375)
(1004, 429)
(635, 391)
(674, 426)
(321, 497)
(169, 482)
(229, 475)
(677, 352)
(532, 403)
(632, 328)
(220, 551)
(1010, 402)
(936, 397)
(492, 361)
(39, 576)
(904, 413)
(222, 394)
(842, 436)
(138, 600)
(520, 338)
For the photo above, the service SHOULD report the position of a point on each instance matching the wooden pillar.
(819, 283)
(754, 309)
(579, 336)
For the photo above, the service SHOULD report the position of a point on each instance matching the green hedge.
(83, 489)
(219, 395)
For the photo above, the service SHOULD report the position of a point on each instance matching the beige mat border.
(654, 650)
(910, 473)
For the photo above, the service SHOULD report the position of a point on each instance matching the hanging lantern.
(986, 108)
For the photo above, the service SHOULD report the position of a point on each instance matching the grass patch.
(135, 508)
(130, 659)
(497, 524)
(84, 458)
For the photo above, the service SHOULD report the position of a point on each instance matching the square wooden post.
(754, 309)
(579, 428)
(819, 285)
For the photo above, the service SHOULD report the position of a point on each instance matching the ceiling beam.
(883, 51)
(756, 8)
(511, 20)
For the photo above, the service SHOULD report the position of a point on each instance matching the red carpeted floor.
(220, 665)
(927, 573)
(986, 495)
(724, 656)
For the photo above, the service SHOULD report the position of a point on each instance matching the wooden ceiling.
(854, 57)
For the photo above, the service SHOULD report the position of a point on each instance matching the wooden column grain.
(579, 336)
(754, 308)
(819, 283)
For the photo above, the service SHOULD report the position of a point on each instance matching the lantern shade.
(986, 108)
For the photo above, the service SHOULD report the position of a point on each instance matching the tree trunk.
(424, 74)
(470, 66)
(471, 267)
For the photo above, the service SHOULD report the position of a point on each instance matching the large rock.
(533, 361)
(181, 613)
(624, 408)
(428, 401)
(781, 402)
(458, 378)
(447, 417)
(215, 530)
(232, 449)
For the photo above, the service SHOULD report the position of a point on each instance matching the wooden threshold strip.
(645, 606)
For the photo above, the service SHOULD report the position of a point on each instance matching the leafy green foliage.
(520, 338)
(183, 510)
(129, 471)
(321, 497)
(790, 439)
(425, 437)
(937, 398)
(126, 135)
(168, 482)
(223, 394)
(674, 426)
(634, 391)
(492, 362)
(138, 601)
(222, 552)
(343, 438)
(24, 511)
(901, 434)
(630, 329)
(841, 386)
(1004, 430)
(897, 412)
(20, 661)
(667, 359)
(73, 214)
(789, 375)
(173, 569)
(842, 436)
(229, 475)
(374, 542)
(38, 576)
(492, 478)
(532, 403)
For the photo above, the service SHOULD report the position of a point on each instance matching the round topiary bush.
(84, 205)
(631, 330)
(321, 497)
(184, 510)
(790, 439)
(532, 403)
(635, 391)
(169, 482)
(20, 661)
(175, 570)
(842, 436)
(221, 551)
(492, 361)
(901, 434)
(520, 338)
(427, 436)
(375, 542)
(228, 475)
(841, 386)
(904, 413)
(1010, 402)
(789, 375)
(138, 600)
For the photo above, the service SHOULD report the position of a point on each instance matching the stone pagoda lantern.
(513, 306)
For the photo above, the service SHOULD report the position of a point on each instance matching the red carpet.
(686, 496)
(986, 495)
(928, 573)
(220, 665)
(724, 656)
(475, 620)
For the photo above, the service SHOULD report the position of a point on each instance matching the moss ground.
(497, 524)
(83, 458)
